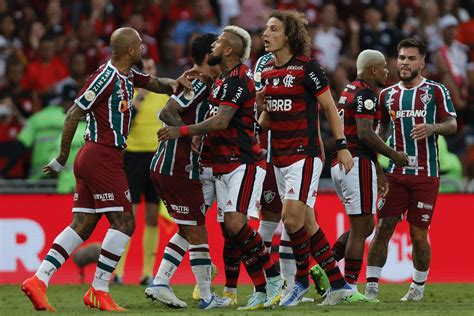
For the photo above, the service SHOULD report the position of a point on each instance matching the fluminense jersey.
(257, 71)
(358, 100)
(107, 98)
(290, 95)
(175, 157)
(429, 103)
(237, 144)
(266, 137)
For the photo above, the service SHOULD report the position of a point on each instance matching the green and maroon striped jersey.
(107, 98)
(428, 103)
(175, 157)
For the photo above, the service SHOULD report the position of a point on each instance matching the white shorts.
(240, 191)
(300, 180)
(357, 190)
(208, 185)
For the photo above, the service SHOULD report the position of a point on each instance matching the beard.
(214, 60)
(413, 75)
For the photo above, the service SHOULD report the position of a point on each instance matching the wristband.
(184, 130)
(55, 165)
(341, 144)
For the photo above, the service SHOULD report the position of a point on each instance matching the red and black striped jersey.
(107, 98)
(237, 144)
(358, 100)
(291, 93)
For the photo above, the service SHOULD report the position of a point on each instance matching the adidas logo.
(291, 191)
(229, 202)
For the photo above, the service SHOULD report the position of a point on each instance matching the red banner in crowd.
(29, 224)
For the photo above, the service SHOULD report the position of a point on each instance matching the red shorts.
(270, 200)
(417, 194)
(101, 184)
(183, 198)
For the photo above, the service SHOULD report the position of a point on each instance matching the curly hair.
(295, 24)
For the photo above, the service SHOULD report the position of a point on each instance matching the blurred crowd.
(49, 47)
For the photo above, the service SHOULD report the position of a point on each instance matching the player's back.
(358, 100)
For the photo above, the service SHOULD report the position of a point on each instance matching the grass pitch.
(440, 299)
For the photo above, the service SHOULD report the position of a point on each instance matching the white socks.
(201, 266)
(113, 247)
(62, 247)
(174, 252)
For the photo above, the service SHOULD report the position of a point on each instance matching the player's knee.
(291, 224)
(419, 236)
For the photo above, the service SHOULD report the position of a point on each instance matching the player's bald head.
(369, 58)
(122, 38)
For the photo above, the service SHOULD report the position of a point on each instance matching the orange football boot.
(35, 289)
(101, 300)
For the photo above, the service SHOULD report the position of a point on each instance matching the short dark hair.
(412, 42)
(201, 46)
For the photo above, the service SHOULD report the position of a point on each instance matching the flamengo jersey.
(266, 137)
(428, 103)
(175, 157)
(358, 100)
(107, 98)
(236, 144)
(290, 96)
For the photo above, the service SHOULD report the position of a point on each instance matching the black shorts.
(137, 169)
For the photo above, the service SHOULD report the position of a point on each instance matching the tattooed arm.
(73, 116)
(169, 86)
(446, 127)
(374, 142)
(215, 123)
(170, 114)
(161, 85)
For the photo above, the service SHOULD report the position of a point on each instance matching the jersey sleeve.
(315, 78)
(233, 92)
(93, 90)
(186, 99)
(140, 79)
(365, 103)
(384, 115)
(257, 72)
(444, 103)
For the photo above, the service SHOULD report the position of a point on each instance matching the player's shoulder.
(304, 59)
(393, 87)
(263, 60)
(435, 84)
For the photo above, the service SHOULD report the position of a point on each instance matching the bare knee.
(419, 236)
(195, 235)
(385, 229)
(233, 222)
(122, 221)
(84, 224)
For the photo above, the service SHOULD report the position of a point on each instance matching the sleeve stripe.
(182, 101)
(79, 99)
(445, 100)
(317, 94)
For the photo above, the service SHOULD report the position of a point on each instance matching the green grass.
(440, 299)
